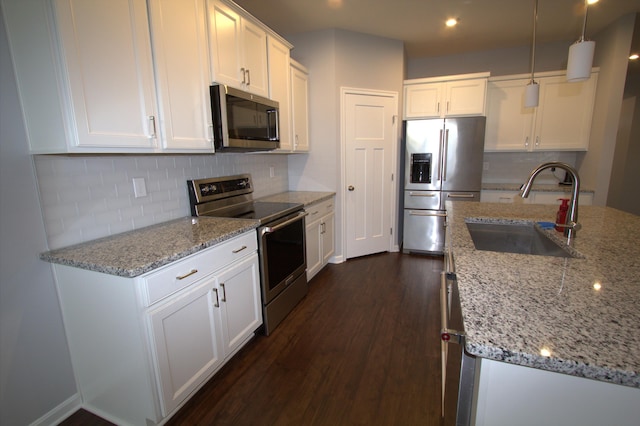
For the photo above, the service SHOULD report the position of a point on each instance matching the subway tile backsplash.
(89, 197)
(512, 167)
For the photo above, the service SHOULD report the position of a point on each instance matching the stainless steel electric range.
(281, 239)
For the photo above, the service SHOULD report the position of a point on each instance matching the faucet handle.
(571, 225)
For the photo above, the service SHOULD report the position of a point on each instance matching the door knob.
(350, 188)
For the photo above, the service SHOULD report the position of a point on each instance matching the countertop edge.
(62, 257)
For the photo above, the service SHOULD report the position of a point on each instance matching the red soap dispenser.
(561, 216)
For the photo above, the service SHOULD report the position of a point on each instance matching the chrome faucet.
(571, 225)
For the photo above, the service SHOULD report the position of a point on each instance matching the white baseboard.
(61, 412)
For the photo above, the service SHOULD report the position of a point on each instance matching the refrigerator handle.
(445, 147)
(441, 143)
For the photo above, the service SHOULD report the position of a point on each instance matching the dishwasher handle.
(447, 334)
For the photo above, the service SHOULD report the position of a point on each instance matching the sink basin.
(514, 237)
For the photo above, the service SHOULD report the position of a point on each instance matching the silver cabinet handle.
(188, 274)
(152, 127)
(537, 140)
(224, 293)
(350, 188)
(244, 75)
(248, 78)
(217, 302)
(526, 142)
(238, 250)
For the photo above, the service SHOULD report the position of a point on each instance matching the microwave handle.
(274, 112)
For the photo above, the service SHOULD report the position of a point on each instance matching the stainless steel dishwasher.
(458, 367)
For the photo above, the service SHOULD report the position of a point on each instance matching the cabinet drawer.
(176, 276)
(318, 210)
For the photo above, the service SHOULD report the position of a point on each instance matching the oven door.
(458, 367)
(282, 254)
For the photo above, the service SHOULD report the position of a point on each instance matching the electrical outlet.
(272, 172)
(139, 187)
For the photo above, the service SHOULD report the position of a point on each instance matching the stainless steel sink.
(514, 237)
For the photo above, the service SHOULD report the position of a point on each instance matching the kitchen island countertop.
(136, 252)
(578, 316)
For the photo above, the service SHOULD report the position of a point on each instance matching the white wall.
(516, 60)
(35, 367)
(335, 59)
(612, 53)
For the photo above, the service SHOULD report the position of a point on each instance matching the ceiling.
(483, 24)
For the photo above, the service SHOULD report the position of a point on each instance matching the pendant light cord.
(533, 43)
(584, 24)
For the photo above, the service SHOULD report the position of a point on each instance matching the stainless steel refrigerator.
(443, 162)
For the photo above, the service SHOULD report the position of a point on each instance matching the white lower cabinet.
(320, 236)
(508, 394)
(194, 333)
(142, 346)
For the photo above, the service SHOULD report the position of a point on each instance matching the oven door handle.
(270, 229)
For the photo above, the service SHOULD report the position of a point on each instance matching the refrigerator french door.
(443, 162)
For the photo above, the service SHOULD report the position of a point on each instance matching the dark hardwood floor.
(361, 349)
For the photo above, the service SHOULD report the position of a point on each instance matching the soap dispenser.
(561, 216)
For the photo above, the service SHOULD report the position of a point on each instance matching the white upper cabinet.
(449, 96)
(562, 120)
(280, 88)
(86, 74)
(178, 29)
(89, 87)
(238, 50)
(299, 107)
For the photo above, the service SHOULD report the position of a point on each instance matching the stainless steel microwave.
(243, 121)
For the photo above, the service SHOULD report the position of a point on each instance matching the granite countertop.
(515, 306)
(304, 197)
(542, 187)
(136, 252)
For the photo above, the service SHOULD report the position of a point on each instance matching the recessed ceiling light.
(451, 22)
(634, 57)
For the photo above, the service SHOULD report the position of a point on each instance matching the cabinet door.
(240, 302)
(225, 48)
(328, 246)
(300, 108)
(423, 100)
(499, 196)
(279, 88)
(313, 246)
(509, 123)
(187, 344)
(254, 43)
(107, 52)
(182, 68)
(563, 120)
(466, 97)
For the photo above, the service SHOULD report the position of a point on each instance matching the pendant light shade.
(581, 54)
(532, 95)
(580, 60)
(532, 92)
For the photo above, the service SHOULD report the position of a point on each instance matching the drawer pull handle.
(188, 274)
(239, 250)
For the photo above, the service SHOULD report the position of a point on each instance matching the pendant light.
(532, 92)
(581, 54)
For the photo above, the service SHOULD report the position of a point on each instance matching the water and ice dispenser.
(421, 168)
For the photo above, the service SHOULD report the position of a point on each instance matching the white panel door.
(225, 48)
(370, 133)
(254, 41)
